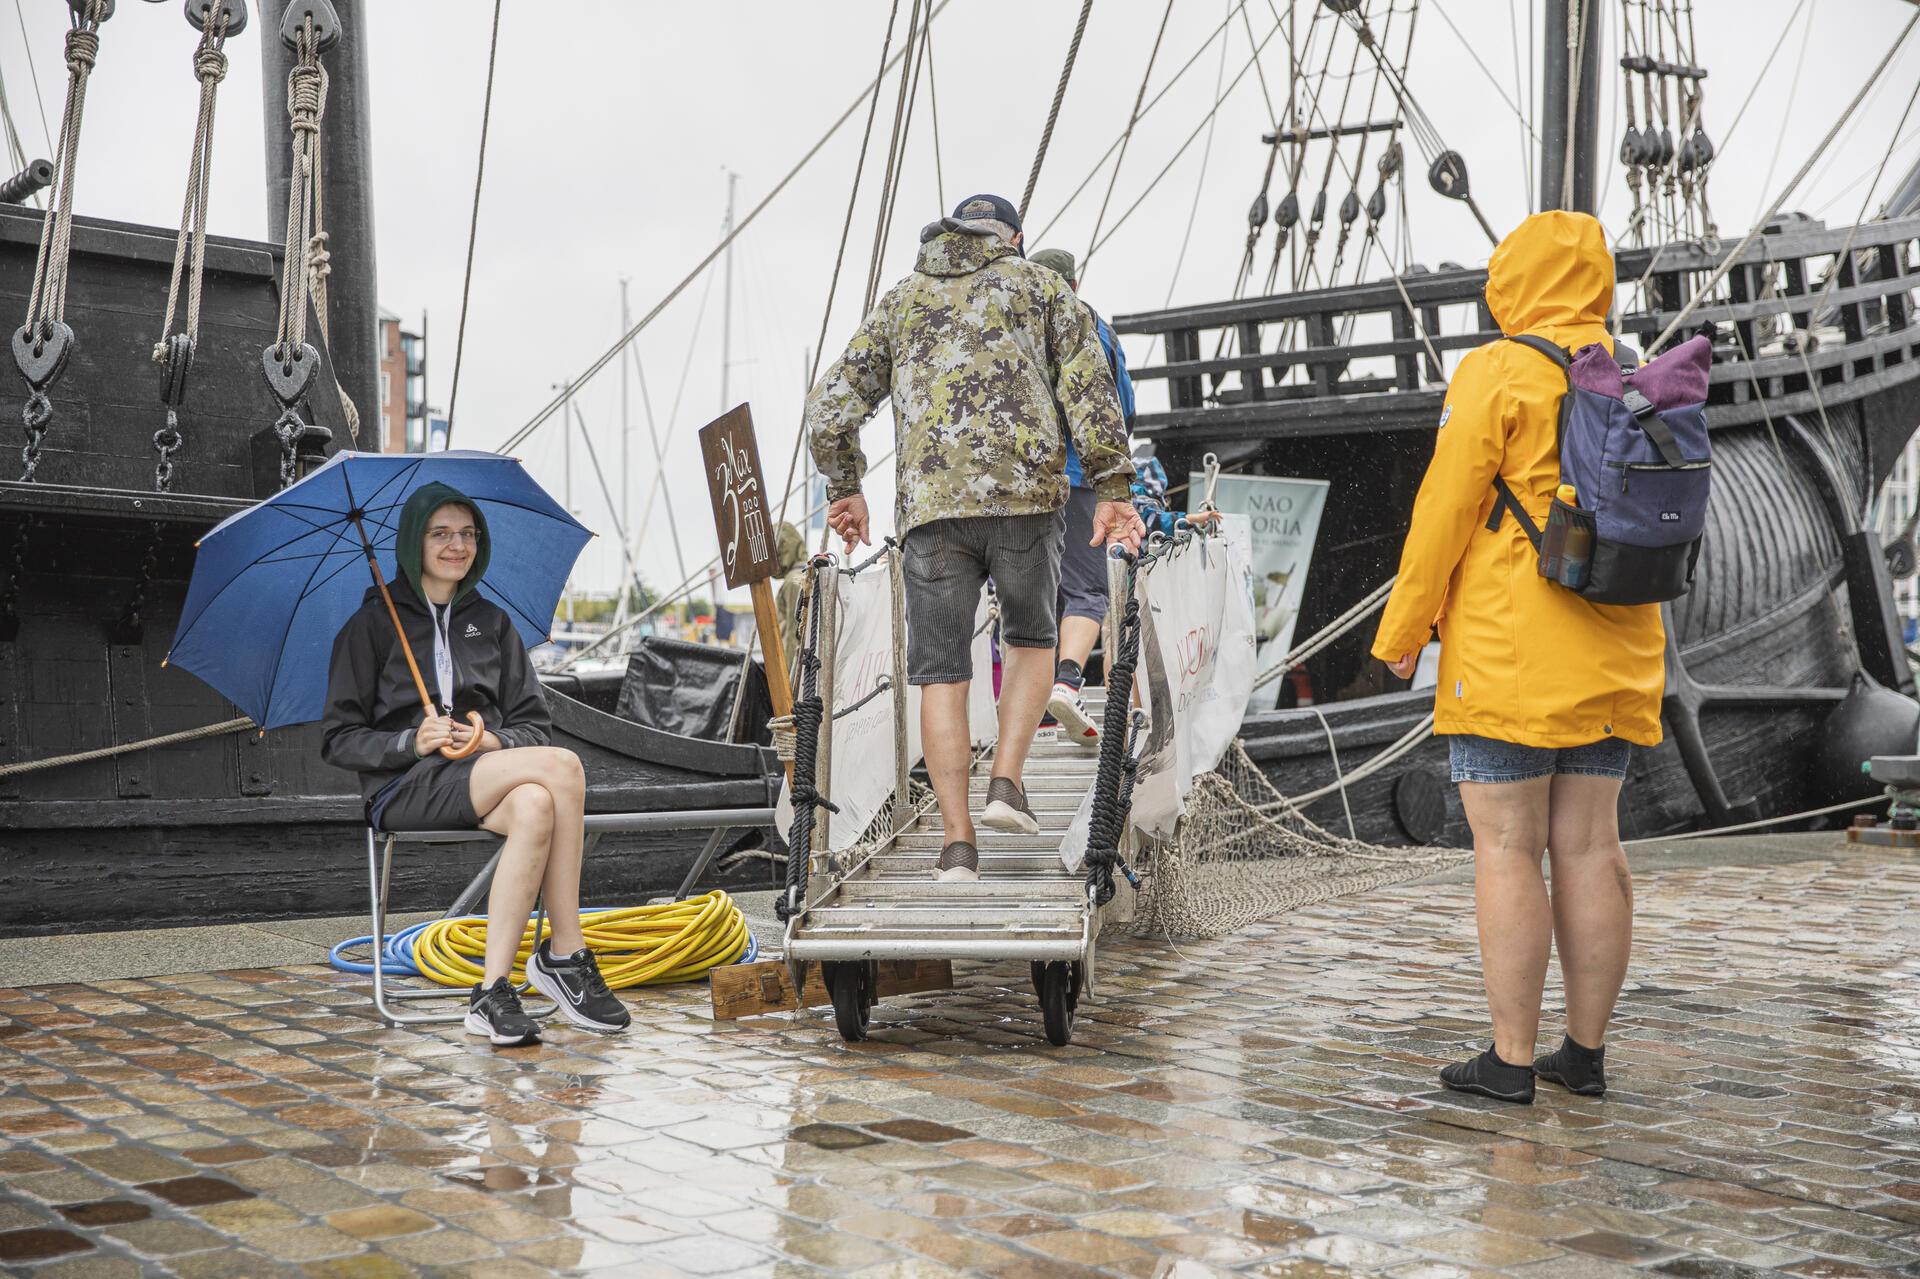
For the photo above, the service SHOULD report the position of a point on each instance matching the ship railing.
(1809, 315)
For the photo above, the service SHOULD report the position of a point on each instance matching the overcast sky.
(614, 126)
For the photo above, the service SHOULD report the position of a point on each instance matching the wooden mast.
(1556, 138)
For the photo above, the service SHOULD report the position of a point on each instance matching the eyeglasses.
(441, 536)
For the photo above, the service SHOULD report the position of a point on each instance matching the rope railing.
(126, 748)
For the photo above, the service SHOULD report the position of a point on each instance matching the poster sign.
(731, 456)
(1284, 520)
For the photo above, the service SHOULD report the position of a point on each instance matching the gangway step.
(988, 915)
(986, 890)
(986, 841)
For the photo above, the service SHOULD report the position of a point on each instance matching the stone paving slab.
(1263, 1105)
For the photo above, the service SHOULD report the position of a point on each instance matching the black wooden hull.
(93, 570)
(1792, 601)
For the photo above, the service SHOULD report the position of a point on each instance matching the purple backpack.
(1633, 447)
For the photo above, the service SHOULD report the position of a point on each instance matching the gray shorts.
(1083, 568)
(948, 561)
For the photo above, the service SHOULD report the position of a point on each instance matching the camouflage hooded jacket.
(982, 352)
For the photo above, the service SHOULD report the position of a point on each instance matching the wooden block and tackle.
(749, 990)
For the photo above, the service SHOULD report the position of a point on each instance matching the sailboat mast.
(726, 301)
(626, 423)
(1568, 156)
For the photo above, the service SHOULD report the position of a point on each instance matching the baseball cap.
(978, 208)
(1057, 260)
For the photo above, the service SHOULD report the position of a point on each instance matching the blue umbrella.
(274, 584)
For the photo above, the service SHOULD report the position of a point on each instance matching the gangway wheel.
(851, 983)
(1058, 985)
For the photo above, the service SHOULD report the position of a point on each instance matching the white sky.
(613, 126)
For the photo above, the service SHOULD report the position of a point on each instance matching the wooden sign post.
(747, 553)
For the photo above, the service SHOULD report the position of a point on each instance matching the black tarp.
(686, 688)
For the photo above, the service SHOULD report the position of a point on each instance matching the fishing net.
(1244, 853)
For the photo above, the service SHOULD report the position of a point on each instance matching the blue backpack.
(1633, 447)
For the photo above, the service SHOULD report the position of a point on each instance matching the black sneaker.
(1576, 1068)
(575, 984)
(494, 1013)
(1007, 808)
(1488, 1076)
(959, 861)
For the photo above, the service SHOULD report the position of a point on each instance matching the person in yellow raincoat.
(1542, 694)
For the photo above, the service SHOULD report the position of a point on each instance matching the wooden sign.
(739, 493)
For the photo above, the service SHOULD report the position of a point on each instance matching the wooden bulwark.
(1276, 367)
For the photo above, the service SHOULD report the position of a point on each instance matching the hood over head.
(421, 504)
(1552, 269)
(946, 251)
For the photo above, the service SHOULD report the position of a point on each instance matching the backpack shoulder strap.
(1505, 501)
(1554, 352)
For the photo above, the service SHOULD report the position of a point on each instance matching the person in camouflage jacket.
(991, 364)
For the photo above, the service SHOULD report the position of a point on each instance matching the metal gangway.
(880, 901)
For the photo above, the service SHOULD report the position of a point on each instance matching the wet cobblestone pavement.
(1259, 1106)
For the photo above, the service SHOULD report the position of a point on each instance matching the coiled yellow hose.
(635, 945)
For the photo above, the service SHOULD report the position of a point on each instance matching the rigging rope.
(840, 254)
(1126, 135)
(175, 351)
(1113, 146)
(552, 406)
(33, 72)
(896, 148)
(1053, 112)
(42, 344)
(1727, 263)
(473, 221)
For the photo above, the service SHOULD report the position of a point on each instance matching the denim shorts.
(947, 564)
(1487, 759)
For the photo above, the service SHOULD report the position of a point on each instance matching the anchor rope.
(1053, 112)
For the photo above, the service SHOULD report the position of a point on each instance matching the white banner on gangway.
(861, 772)
(1195, 672)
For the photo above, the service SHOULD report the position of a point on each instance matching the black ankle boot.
(1488, 1076)
(1576, 1068)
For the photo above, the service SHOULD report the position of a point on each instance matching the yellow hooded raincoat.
(1522, 659)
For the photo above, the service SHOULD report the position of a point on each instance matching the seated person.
(515, 785)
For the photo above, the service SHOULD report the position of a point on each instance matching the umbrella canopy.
(274, 584)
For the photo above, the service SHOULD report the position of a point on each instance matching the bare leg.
(1592, 900)
(1077, 637)
(525, 817)
(1026, 677)
(496, 776)
(948, 743)
(1509, 821)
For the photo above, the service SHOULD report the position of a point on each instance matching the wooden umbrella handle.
(479, 731)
